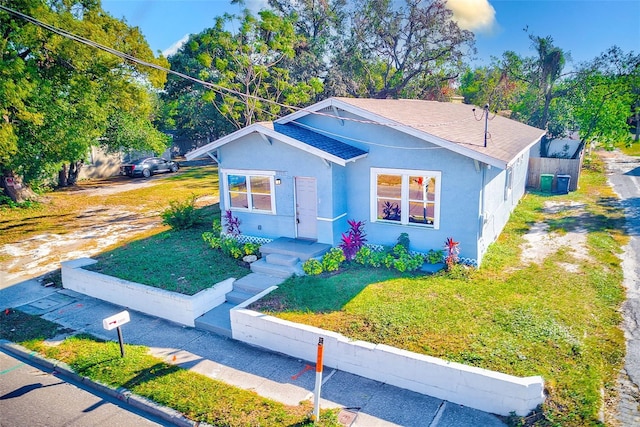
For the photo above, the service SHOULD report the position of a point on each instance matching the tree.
(491, 85)
(542, 75)
(58, 97)
(246, 68)
(394, 51)
(605, 97)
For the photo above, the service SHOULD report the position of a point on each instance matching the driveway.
(624, 176)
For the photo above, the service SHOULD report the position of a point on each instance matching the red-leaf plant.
(452, 250)
(353, 240)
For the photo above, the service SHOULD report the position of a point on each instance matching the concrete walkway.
(275, 376)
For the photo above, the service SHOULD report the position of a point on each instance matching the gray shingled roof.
(328, 145)
(454, 123)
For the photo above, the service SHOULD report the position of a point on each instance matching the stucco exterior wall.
(460, 184)
(287, 162)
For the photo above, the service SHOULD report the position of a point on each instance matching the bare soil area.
(92, 231)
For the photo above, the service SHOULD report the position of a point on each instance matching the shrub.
(397, 257)
(353, 240)
(312, 267)
(230, 246)
(181, 215)
(403, 240)
(213, 237)
(250, 248)
(434, 257)
(331, 260)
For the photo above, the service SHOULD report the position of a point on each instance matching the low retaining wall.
(477, 388)
(179, 308)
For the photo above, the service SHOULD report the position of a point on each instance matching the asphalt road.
(33, 398)
(624, 176)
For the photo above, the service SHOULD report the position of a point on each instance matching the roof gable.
(326, 148)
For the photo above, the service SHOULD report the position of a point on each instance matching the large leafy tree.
(247, 70)
(395, 50)
(58, 96)
(606, 93)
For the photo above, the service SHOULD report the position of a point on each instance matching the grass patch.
(198, 397)
(521, 319)
(20, 327)
(632, 149)
(175, 260)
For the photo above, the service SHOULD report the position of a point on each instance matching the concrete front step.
(254, 283)
(282, 259)
(217, 320)
(282, 271)
(303, 249)
(236, 297)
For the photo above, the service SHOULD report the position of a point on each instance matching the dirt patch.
(86, 234)
(541, 243)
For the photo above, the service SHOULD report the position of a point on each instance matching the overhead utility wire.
(212, 86)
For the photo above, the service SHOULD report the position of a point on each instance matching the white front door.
(306, 208)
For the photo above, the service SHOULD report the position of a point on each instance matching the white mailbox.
(116, 320)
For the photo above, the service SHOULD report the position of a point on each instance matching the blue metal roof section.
(319, 141)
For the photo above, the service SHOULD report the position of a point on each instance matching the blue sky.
(583, 27)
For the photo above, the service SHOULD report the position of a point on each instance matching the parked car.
(148, 166)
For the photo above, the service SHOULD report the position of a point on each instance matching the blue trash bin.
(562, 183)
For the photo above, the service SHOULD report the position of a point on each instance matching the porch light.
(278, 181)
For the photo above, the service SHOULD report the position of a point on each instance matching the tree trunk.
(13, 187)
(74, 172)
(62, 176)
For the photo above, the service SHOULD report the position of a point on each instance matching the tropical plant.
(231, 223)
(391, 211)
(452, 250)
(353, 240)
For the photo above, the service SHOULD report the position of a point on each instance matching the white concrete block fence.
(477, 388)
(179, 308)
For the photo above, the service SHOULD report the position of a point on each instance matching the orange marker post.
(316, 393)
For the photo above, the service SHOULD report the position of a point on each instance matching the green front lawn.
(509, 316)
(178, 261)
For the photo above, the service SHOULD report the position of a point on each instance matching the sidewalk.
(275, 376)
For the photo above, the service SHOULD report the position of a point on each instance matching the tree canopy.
(59, 97)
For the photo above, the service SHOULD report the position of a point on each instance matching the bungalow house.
(428, 169)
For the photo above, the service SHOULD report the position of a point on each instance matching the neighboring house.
(404, 166)
(101, 164)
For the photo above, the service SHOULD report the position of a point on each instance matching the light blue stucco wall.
(390, 148)
(252, 152)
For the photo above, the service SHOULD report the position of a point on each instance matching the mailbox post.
(116, 321)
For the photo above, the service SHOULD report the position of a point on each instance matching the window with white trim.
(410, 197)
(249, 190)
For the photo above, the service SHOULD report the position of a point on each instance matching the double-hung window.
(249, 190)
(405, 197)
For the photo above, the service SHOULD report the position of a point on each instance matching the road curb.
(63, 370)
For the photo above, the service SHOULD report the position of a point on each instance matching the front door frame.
(308, 217)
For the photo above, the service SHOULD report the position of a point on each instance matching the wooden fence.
(555, 166)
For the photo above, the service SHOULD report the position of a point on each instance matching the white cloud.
(174, 47)
(473, 15)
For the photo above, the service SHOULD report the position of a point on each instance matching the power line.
(216, 88)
